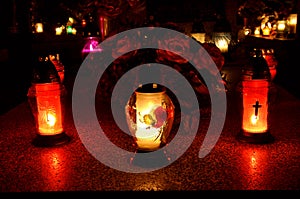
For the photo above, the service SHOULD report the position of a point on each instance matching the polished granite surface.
(230, 165)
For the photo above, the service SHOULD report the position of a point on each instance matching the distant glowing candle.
(222, 40)
(281, 28)
(91, 45)
(292, 23)
(58, 30)
(69, 29)
(39, 27)
(74, 31)
(199, 36)
(266, 29)
(281, 25)
(257, 31)
(247, 31)
(222, 45)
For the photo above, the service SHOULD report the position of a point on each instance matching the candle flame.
(254, 119)
(51, 119)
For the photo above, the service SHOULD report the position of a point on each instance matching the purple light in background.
(91, 45)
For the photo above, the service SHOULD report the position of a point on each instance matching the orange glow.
(58, 30)
(254, 119)
(266, 29)
(222, 45)
(281, 25)
(257, 31)
(148, 186)
(150, 115)
(273, 72)
(49, 109)
(292, 23)
(103, 21)
(39, 27)
(83, 22)
(53, 162)
(51, 119)
(148, 135)
(199, 37)
(253, 162)
(255, 105)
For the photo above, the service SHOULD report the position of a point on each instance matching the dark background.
(17, 44)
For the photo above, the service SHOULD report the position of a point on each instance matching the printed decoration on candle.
(150, 115)
(255, 103)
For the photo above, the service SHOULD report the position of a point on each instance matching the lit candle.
(281, 29)
(292, 22)
(255, 104)
(150, 118)
(281, 25)
(49, 109)
(257, 31)
(255, 100)
(266, 29)
(58, 30)
(74, 31)
(222, 45)
(39, 27)
(199, 37)
(149, 114)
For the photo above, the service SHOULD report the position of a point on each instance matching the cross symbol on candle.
(256, 106)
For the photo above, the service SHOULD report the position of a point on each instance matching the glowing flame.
(91, 47)
(254, 119)
(51, 119)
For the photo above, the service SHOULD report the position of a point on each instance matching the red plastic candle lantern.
(46, 99)
(255, 100)
(255, 104)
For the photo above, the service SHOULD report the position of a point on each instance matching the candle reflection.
(53, 169)
(149, 186)
(254, 163)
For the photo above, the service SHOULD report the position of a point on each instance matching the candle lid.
(44, 71)
(257, 67)
(150, 88)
